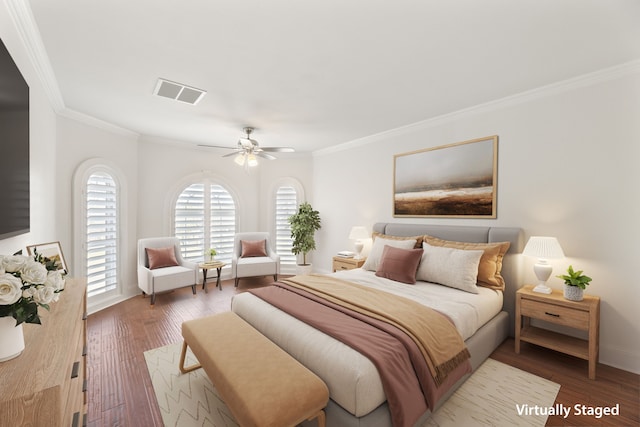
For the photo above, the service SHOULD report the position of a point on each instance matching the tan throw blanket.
(436, 337)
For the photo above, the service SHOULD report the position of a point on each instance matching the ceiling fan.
(248, 150)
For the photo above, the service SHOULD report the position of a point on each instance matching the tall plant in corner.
(304, 224)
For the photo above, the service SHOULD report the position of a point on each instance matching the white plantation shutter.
(101, 233)
(286, 205)
(189, 222)
(205, 217)
(223, 222)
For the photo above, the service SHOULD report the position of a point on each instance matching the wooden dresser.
(45, 385)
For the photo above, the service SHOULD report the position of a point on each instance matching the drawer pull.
(85, 386)
(84, 316)
(76, 419)
(75, 370)
(84, 350)
(551, 314)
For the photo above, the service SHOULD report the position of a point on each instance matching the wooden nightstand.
(340, 263)
(554, 308)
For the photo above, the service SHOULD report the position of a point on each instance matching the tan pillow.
(490, 263)
(253, 248)
(418, 239)
(161, 257)
(399, 264)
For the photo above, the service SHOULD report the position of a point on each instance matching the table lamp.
(358, 233)
(543, 248)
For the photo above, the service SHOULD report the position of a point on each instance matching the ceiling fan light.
(252, 160)
(239, 159)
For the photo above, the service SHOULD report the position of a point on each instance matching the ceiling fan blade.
(278, 149)
(233, 153)
(217, 146)
(264, 155)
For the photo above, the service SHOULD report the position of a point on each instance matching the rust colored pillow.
(399, 264)
(161, 257)
(252, 248)
(490, 262)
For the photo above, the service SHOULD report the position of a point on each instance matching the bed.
(357, 396)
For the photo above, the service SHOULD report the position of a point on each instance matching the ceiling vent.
(178, 91)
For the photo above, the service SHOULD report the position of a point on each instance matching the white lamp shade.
(543, 247)
(358, 232)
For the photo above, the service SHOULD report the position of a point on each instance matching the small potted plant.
(574, 284)
(304, 224)
(211, 253)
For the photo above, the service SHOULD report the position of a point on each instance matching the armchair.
(258, 259)
(162, 268)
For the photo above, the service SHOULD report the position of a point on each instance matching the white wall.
(568, 168)
(42, 157)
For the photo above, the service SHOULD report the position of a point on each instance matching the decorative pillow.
(161, 257)
(456, 268)
(379, 243)
(399, 264)
(252, 248)
(490, 264)
(418, 239)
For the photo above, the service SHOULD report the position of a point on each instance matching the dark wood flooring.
(120, 391)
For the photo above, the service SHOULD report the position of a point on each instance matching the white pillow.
(378, 246)
(456, 268)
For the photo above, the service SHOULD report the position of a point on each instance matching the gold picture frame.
(451, 181)
(51, 250)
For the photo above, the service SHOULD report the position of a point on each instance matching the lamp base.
(542, 289)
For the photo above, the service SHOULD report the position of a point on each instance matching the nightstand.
(340, 263)
(554, 308)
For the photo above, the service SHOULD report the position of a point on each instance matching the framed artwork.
(53, 251)
(455, 180)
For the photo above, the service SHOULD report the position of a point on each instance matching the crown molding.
(96, 123)
(584, 80)
(22, 18)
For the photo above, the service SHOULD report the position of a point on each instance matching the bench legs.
(183, 355)
(321, 418)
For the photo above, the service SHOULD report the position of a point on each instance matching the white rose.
(10, 289)
(14, 263)
(33, 272)
(43, 295)
(29, 292)
(55, 280)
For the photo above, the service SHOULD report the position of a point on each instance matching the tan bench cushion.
(261, 384)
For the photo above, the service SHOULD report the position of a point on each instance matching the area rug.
(493, 396)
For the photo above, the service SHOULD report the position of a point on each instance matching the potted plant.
(574, 284)
(304, 224)
(211, 253)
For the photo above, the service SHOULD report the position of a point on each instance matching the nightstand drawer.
(566, 316)
(341, 265)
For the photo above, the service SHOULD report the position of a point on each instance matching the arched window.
(205, 217)
(101, 233)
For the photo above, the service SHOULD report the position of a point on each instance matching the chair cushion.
(168, 278)
(253, 248)
(161, 257)
(255, 266)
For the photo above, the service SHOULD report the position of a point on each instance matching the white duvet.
(352, 379)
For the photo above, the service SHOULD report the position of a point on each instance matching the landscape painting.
(455, 180)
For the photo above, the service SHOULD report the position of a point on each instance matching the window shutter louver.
(102, 234)
(286, 205)
(223, 222)
(189, 222)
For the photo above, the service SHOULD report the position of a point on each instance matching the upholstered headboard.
(511, 264)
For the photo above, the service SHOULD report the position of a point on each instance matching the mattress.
(353, 380)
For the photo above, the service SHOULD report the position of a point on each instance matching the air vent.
(178, 91)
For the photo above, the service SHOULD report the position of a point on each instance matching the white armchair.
(255, 264)
(169, 270)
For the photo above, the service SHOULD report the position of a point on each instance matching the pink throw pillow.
(252, 248)
(399, 264)
(161, 257)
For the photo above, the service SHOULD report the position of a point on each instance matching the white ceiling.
(313, 74)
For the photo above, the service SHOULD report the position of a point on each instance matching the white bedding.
(352, 379)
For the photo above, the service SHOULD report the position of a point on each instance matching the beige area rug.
(489, 398)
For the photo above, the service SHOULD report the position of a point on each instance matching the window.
(205, 217)
(286, 205)
(101, 244)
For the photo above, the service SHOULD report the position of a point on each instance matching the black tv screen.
(14, 148)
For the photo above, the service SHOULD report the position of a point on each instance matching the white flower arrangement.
(27, 283)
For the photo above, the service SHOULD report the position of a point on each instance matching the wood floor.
(120, 391)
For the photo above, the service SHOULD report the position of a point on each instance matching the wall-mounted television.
(14, 149)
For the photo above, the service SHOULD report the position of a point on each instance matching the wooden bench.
(262, 385)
